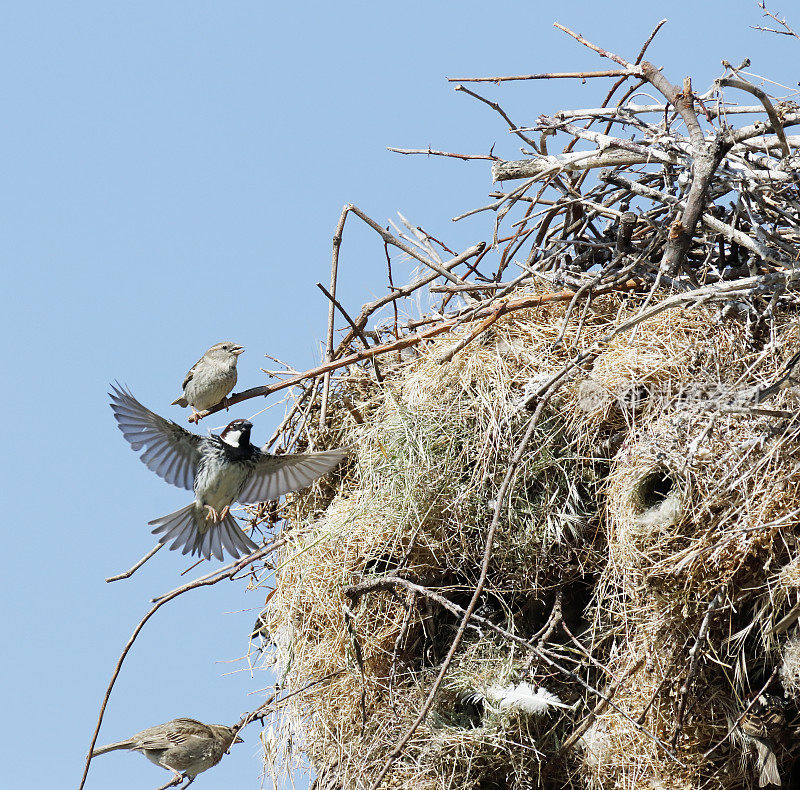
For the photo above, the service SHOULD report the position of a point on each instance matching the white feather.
(232, 437)
(524, 698)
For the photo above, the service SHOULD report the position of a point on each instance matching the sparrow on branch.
(211, 378)
(186, 747)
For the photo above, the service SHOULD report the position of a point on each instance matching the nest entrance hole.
(654, 488)
(658, 499)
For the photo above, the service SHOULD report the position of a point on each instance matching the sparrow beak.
(238, 350)
(237, 739)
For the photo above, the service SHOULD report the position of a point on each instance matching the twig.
(356, 330)
(479, 330)
(609, 693)
(405, 342)
(551, 75)
(694, 652)
(649, 41)
(629, 67)
(787, 31)
(738, 721)
(777, 126)
(136, 567)
(430, 152)
(498, 109)
(275, 699)
(326, 379)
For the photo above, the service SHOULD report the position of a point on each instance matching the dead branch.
(227, 572)
(551, 75)
(431, 152)
(127, 574)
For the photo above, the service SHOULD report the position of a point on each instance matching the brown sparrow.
(764, 722)
(186, 747)
(211, 378)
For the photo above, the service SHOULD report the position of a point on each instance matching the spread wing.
(172, 452)
(279, 474)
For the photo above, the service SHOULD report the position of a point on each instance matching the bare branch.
(552, 75)
(127, 574)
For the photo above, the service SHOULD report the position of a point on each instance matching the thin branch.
(550, 75)
(404, 342)
(500, 111)
(609, 693)
(227, 572)
(356, 330)
(629, 67)
(430, 152)
(326, 379)
(744, 713)
(476, 332)
(694, 653)
(136, 567)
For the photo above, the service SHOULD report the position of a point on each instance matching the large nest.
(593, 473)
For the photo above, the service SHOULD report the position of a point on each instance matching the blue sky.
(172, 176)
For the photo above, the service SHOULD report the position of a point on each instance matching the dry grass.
(639, 501)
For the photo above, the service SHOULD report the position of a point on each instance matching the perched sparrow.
(764, 722)
(184, 746)
(221, 469)
(211, 378)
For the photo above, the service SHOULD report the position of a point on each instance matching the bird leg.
(177, 779)
(215, 517)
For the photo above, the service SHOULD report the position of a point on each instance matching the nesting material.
(641, 587)
(637, 535)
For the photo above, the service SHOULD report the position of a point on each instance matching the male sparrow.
(764, 722)
(186, 747)
(211, 378)
(221, 469)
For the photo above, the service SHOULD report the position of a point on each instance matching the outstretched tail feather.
(238, 542)
(229, 539)
(180, 402)
(182, 530)
(129, 744)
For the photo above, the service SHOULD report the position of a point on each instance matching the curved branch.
(770, 110)
(227, 572)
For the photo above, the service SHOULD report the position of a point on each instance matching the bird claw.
(215, 517)
(196, 416)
